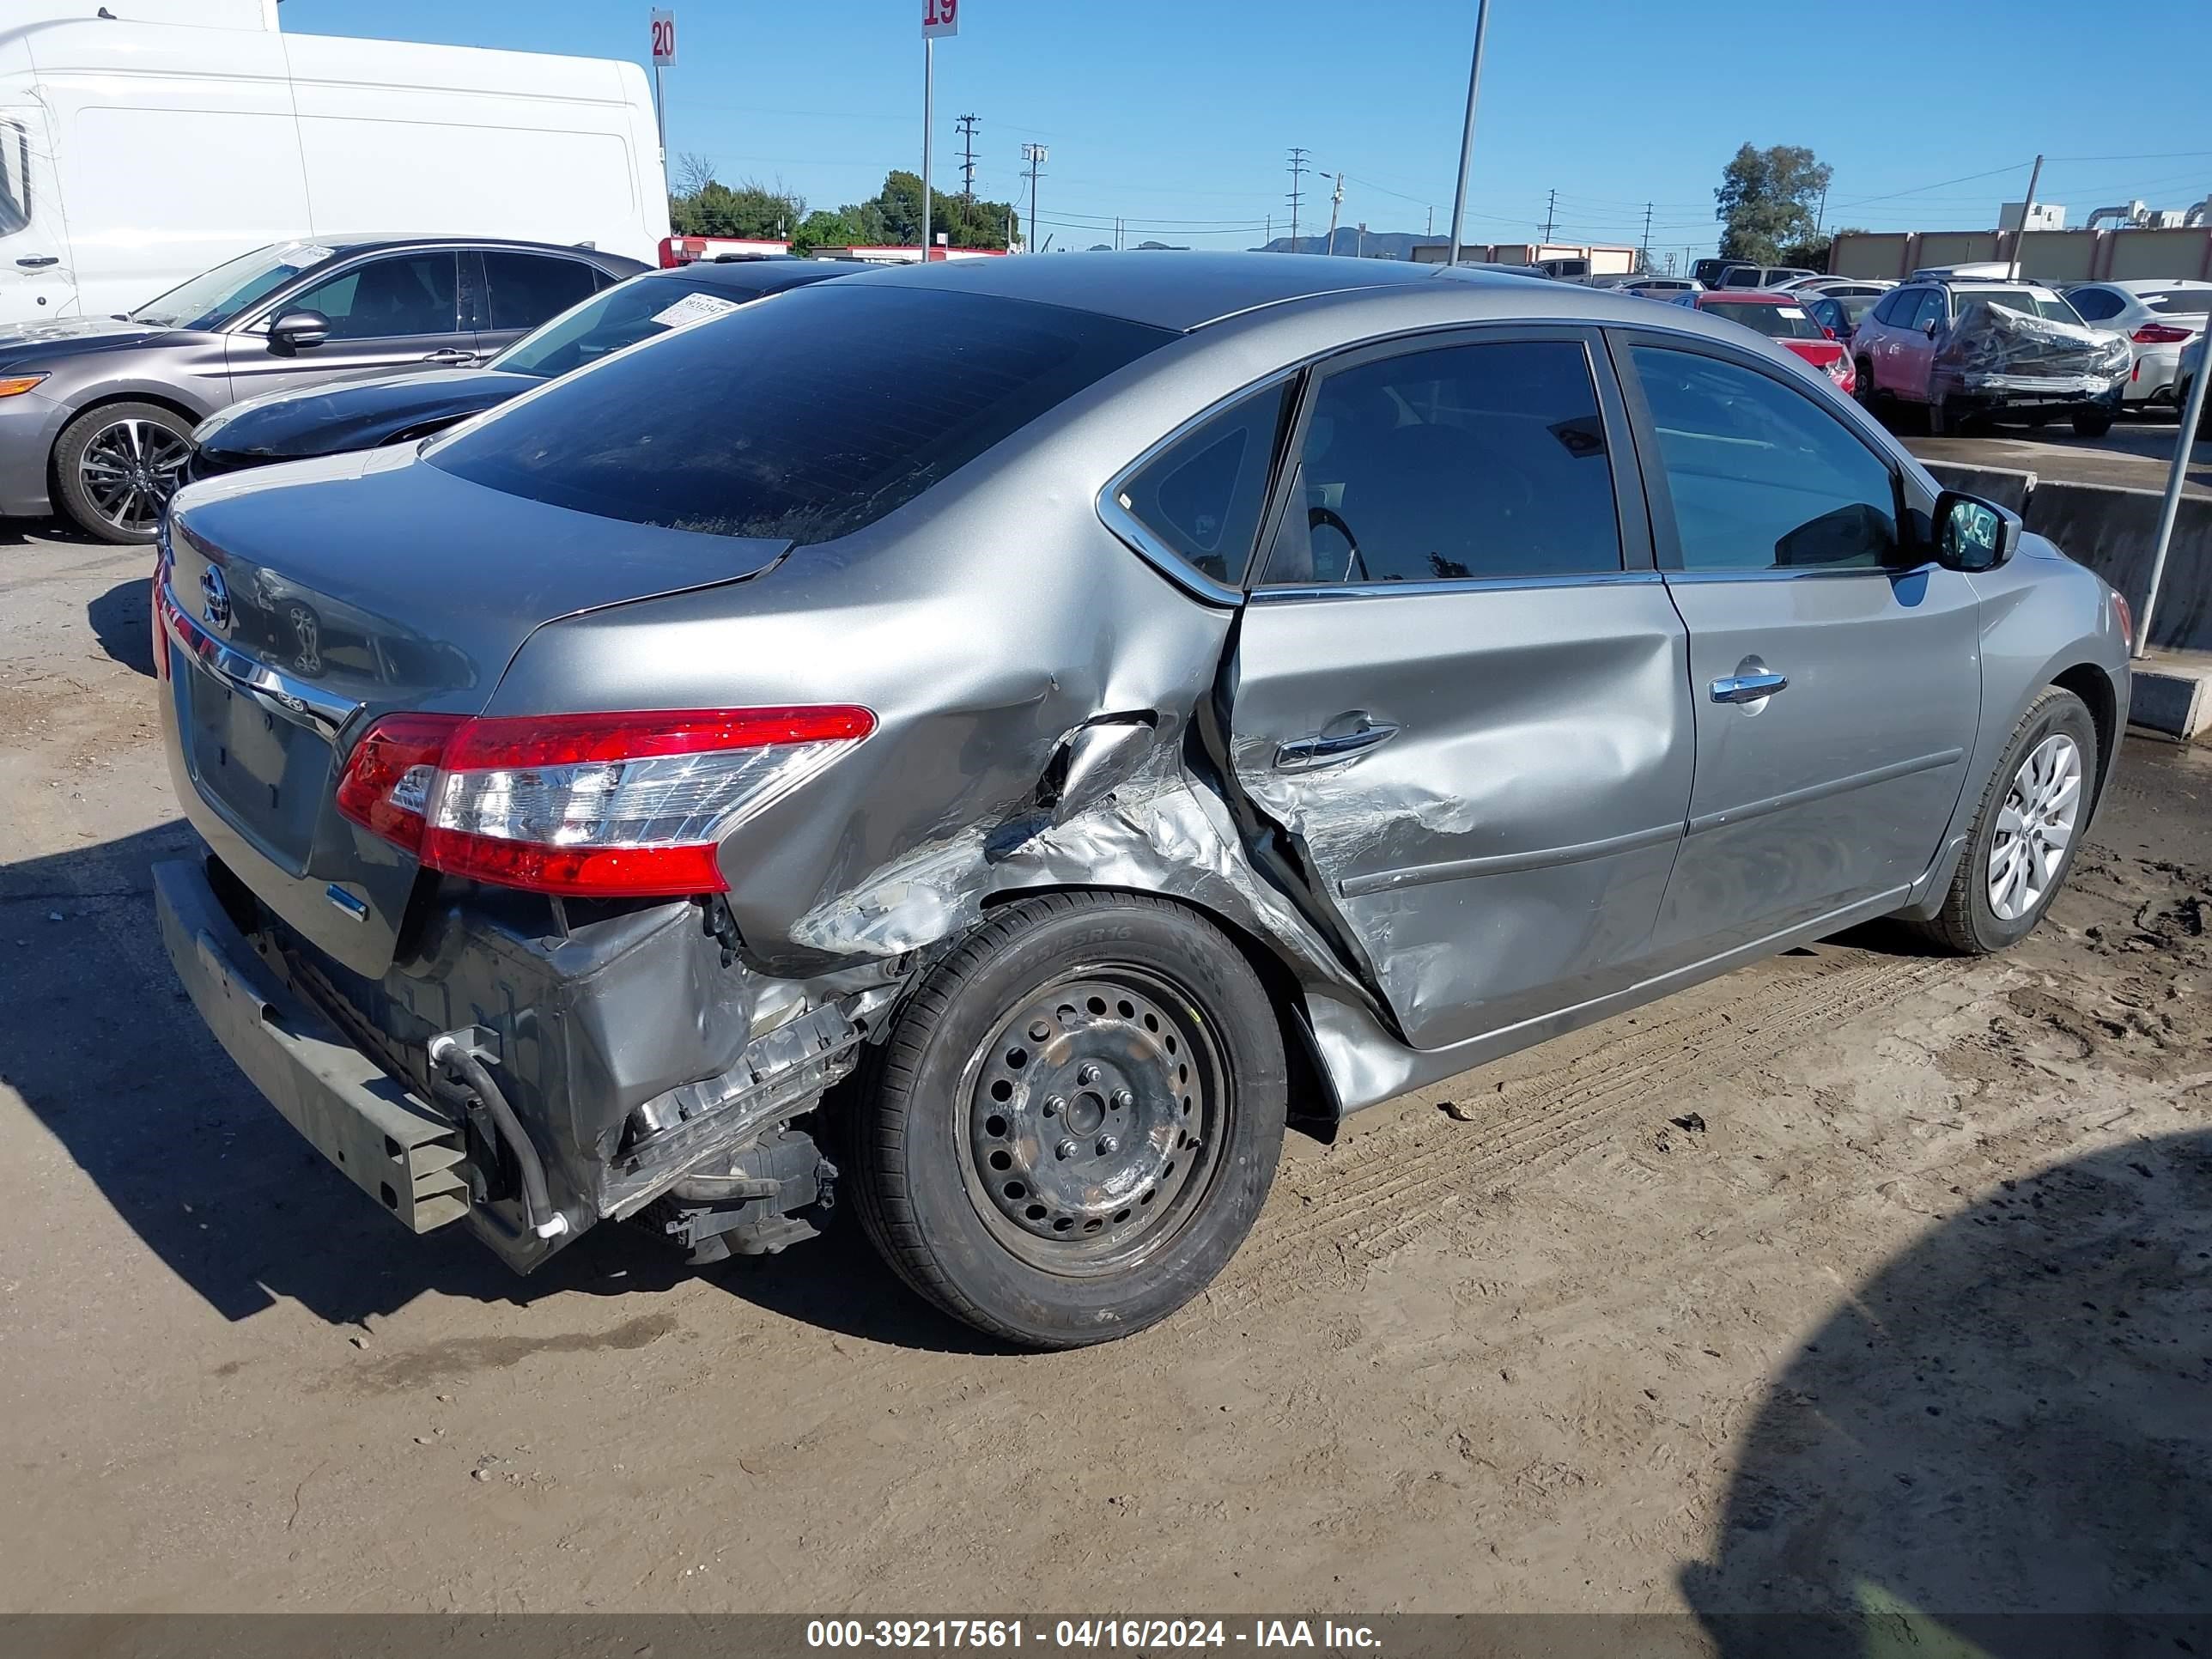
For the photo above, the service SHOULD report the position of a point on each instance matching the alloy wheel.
(2035, 826)
(1095, 1113)
(129, 471)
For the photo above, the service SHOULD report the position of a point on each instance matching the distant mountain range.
(1376, 244)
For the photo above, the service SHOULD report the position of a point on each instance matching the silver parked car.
(96, 413)
(992, 741)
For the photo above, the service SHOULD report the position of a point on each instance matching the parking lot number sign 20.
(939, 17)
(663, 38)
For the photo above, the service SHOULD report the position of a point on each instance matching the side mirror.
(1972, 534)
(1829, 332)
(1929, 328)
(299, 331)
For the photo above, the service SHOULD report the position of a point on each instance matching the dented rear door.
(1460, 689)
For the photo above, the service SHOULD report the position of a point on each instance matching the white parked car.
(2159, 318)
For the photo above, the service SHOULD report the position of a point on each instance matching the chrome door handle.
(452, 355)
(1749, 688)
(1303, 754)
(40, 261)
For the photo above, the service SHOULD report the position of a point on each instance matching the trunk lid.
(317, 596)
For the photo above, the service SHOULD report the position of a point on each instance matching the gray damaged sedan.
(990, 743)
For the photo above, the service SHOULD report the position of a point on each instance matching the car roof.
(1173, 291)
(1737, 296)
(768, 276)
(367, 241)
(2151, 285)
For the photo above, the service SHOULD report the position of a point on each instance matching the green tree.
(822, 228)
(1767, 199)
(893, 215)
(752, 210)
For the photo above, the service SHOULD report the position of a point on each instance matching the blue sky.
(1176, 115)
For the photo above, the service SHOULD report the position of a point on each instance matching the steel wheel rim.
(1092, 1120)
(2035, 828)
(130, 470)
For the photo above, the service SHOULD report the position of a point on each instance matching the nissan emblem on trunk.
(217, 593)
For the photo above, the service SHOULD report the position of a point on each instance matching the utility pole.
(1550, 211)
(1644, 247)
(1298, 170)
(967, 125)
(1431, 229)
(2027, 213)
(1335, 203)
(1034, 156)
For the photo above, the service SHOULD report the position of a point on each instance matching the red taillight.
(393, 773)
(625, 805)
(2158, 334)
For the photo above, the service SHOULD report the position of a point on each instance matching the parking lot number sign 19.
(664, 39)
(939, 17)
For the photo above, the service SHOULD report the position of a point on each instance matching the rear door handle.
(453, 355)
(40, 261)
(1303, 754)
(1749, 688)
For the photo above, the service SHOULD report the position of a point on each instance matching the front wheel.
(2091, 423)
(115, 468)
(2025, 834)
(1075, 1119)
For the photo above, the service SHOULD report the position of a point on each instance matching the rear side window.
(1202, 496)
(527, 289)
(802, 417)
(1464, 463)
(1762, 477)
(2095, 304)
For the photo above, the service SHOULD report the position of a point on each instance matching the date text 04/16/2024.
(1127, 1634)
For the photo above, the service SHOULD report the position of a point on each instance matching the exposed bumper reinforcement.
(401, 1150)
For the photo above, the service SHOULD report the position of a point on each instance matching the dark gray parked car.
(291, 426)
(992, 740)
(96, 413)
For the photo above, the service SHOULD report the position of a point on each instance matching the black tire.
(1865, 391)
(160, 433)
(923, 1179)
(2091, 423)
(1968, 924)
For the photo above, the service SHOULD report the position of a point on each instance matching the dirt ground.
(1860, 1278)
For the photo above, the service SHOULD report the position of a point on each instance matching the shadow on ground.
(2000, 1439)
(122, 621)
(101, 1043)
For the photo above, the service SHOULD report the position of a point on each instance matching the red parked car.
(1783, 319)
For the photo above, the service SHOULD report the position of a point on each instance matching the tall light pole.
(938, 17)
(1467, 138)
(1034, 156)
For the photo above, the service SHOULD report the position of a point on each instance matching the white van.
(139, 150)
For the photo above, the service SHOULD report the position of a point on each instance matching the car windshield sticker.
(693, 308)
(300, 255)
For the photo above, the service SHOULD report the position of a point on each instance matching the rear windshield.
(801, 417)
(2179, 302)
(1777, 322)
